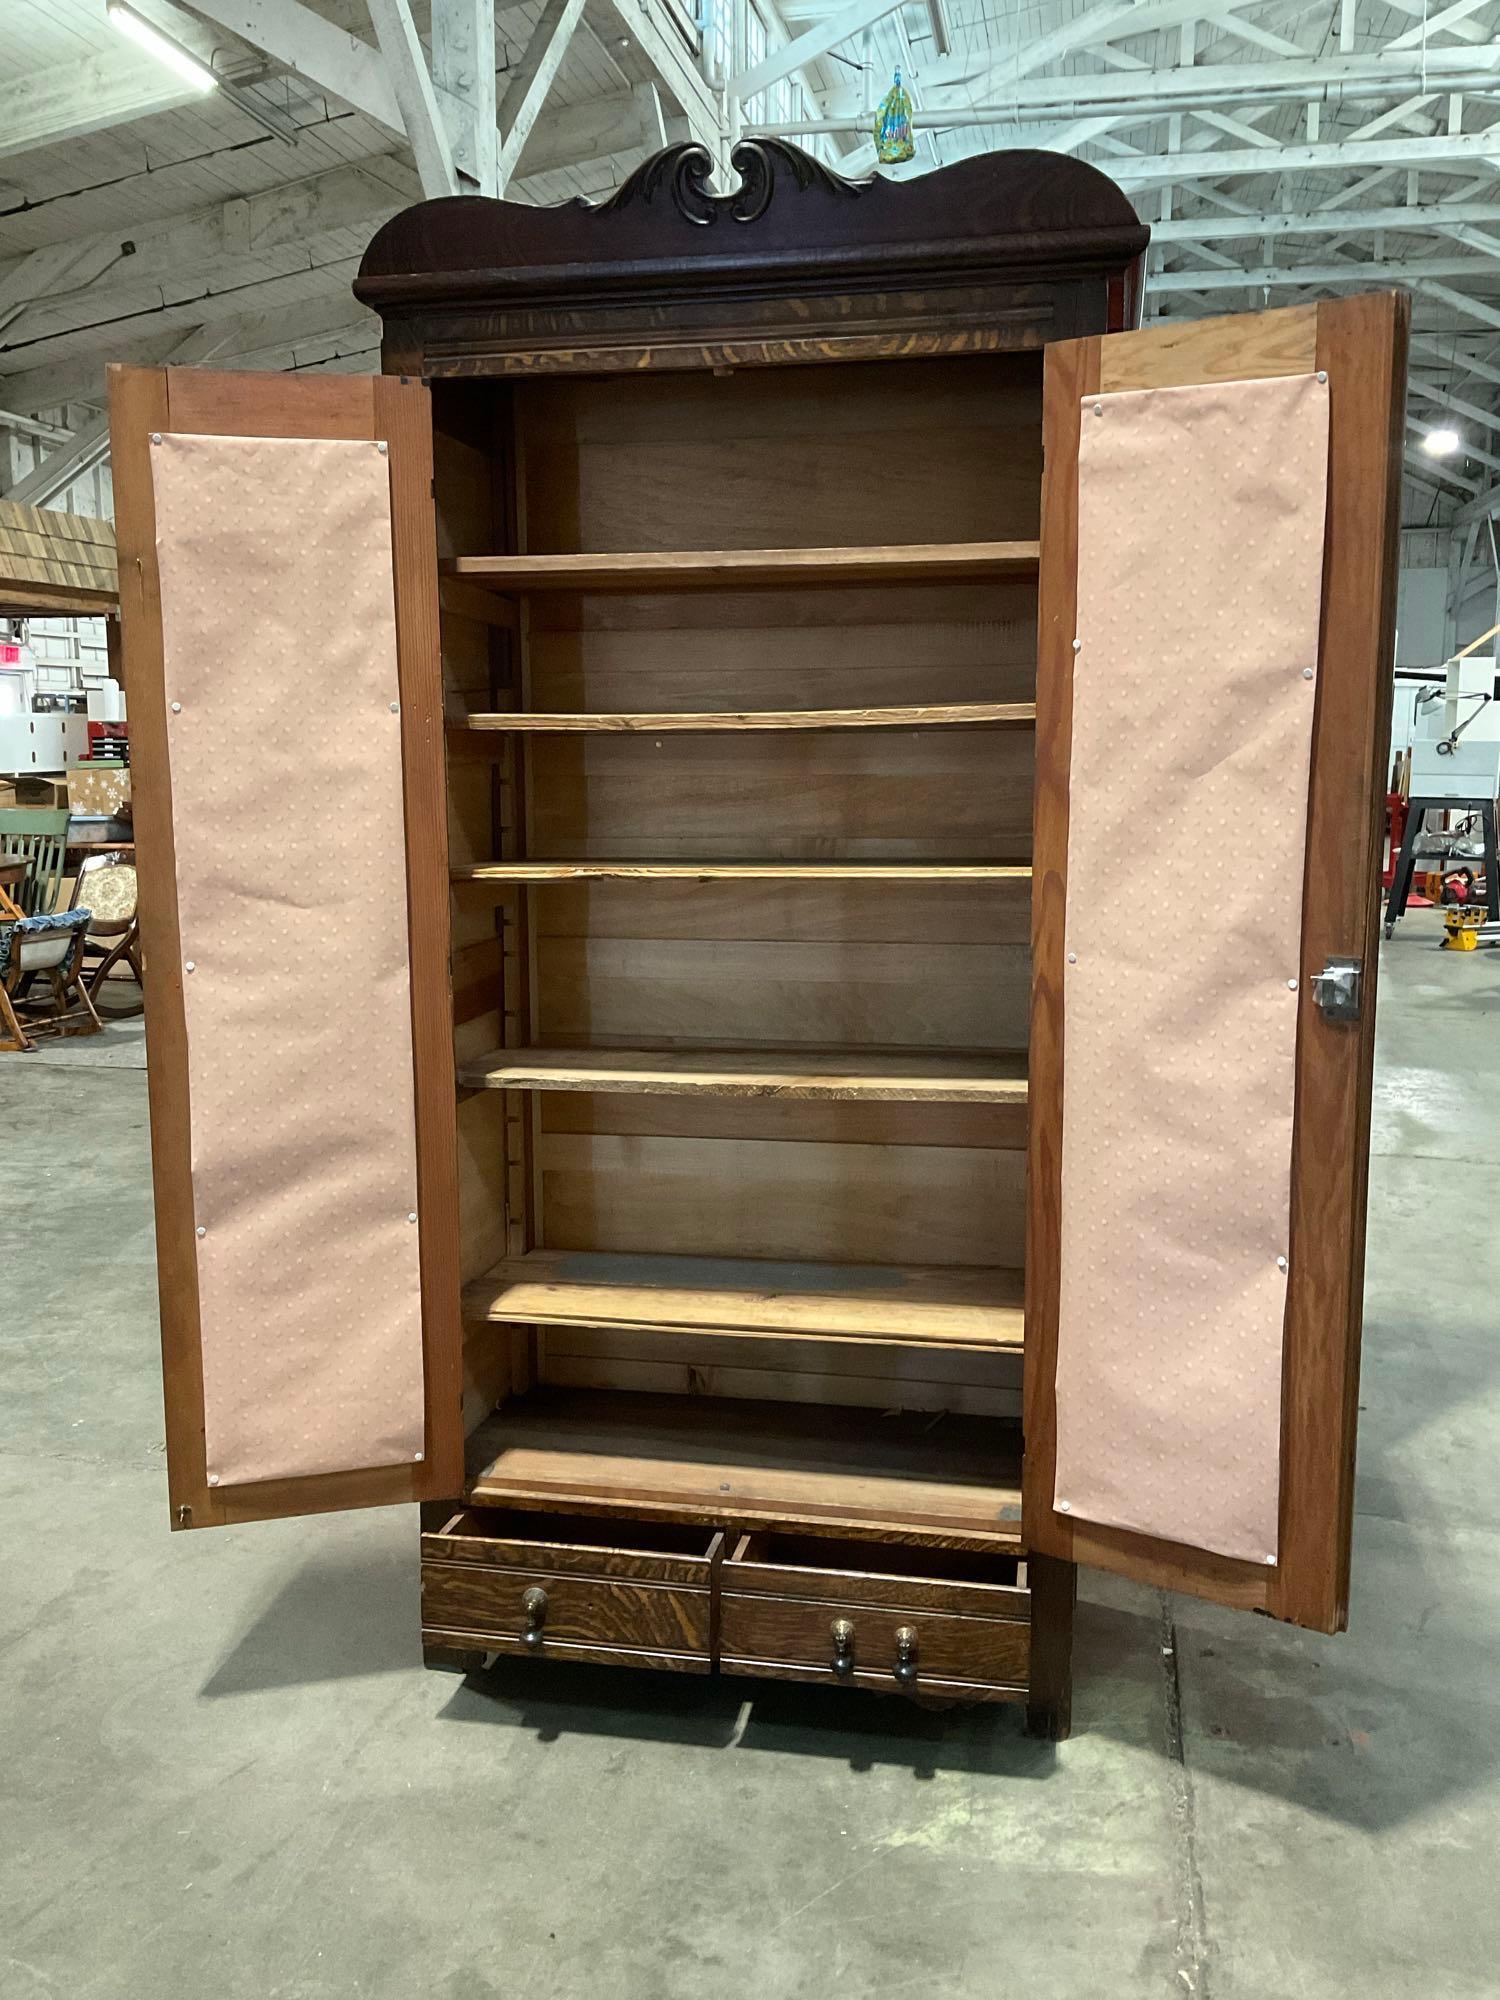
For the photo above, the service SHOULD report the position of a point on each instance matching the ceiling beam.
(463, 67)
(29, 427)
(1434, 392)
(1466, 308)
(71, 99)
(839, 26)
(1271, 223)
(247, 339)
(1333, 158)
(71, 461)
(1452, 356)
(202, 239)
(626, 121)
(426, 126)
(1276, 277)
(627, 28)
(531, 80)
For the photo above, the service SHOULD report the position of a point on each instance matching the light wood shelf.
(741, 871)
(747, 569)
(951, 715)
(956, 1480)
(907, 1305)
(920, 1077)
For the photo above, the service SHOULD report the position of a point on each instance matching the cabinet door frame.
(1361, 343)
(212, 402)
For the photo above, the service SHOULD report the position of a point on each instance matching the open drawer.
(629, 1593)
(913, 1620)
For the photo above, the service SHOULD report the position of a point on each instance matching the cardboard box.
(48, 792)
(98, 788)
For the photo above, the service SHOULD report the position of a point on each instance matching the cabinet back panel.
(784, 964)
(804, 1371)
(907, 451)
(834, 648)
(789, 1119)
(764, 1198)
(845, 912)
(956, 794)
(762, 994)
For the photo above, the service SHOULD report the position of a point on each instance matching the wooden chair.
(49, 945)
(40, 837)
(106, 883)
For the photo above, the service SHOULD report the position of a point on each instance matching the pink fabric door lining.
(278, 629)
(1200, 557)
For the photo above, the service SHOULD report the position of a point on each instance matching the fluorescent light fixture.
(1442, 443)
(182, 62)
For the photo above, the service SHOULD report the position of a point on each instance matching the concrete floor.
(223, 1772)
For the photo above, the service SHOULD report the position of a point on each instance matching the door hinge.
(1339, 988)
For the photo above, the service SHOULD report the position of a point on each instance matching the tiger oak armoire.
(677, 1036)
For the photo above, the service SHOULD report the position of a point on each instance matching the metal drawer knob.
(906, 1655)
(843, 1647)
(534, 1605)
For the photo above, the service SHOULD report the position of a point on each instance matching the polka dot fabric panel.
(279, 641)
(1200, 558)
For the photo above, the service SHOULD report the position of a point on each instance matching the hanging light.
(182, 62)
(1442, 443)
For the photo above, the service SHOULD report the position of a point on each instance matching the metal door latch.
(1339, 988)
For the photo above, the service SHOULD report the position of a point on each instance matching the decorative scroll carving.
(683, 173)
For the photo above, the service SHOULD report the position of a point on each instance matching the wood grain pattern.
(709, 462)
(1230, 347)
(864, 1122)
(621, 992)
(531, 870)
(801, 1201)
(1361, 342)
(952, 1307)
(994, 714)
(912, 1077)
(587, 1618)
(695, 1458)
(640, 1552)
(863, 1374)
(746, 569)
(778, 1618)
(402, 415)
(900, 795)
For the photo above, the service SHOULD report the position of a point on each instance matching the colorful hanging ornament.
(893, 140)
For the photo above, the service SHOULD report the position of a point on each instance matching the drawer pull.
(534, 1605)
(906, 1655)
(843, 1647)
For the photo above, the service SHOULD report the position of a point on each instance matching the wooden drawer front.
(521, 1588)
(957, 1635)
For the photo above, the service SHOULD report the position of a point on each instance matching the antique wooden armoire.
(678, 1038)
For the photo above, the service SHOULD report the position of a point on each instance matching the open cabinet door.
(1220, 525)
(278, 585)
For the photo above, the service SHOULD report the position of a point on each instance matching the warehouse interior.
(228, 1764)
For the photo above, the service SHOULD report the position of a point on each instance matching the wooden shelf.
(957, 1480)
(950, 715)
(914, 1305)
(747, 569)
(742, 871)
(923, 1077)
